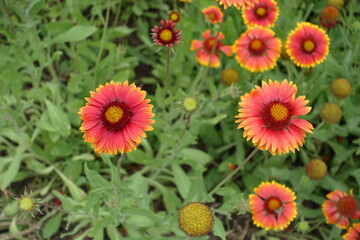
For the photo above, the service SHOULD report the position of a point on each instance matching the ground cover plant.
(191, 119)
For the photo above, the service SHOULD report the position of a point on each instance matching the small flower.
(272, 206)
(331, 113)
(229, 76)
(115, 117)
(190, 104)
(204, 49)
(316, 169)
(257, 49)
(307, 45)
(185, 1)
(231, 166)
(264, 13)
(353, 233)
(26, 203)
(329, 17)
(339, 208)
(213, 14)
(341, 88)
(174, 16)
(166, 35)
(237, 3)
(196, 219)
(269, 116)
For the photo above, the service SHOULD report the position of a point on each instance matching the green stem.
(236, 170)
(118, 168)
(167, 71)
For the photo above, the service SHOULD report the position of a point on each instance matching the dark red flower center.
(209, 43)
(276, 115)
(272, 205)
(347, 206)
(166, 36)
(308, 46)
(260, 12)
(211, 16)
(115, 116)
(257, 47)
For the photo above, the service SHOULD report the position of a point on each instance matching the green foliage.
(52, 53)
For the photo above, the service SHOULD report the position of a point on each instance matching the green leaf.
(58, 118)
(219, 229)
(76, 192)
(52, 226)
(196, 155)
(181, 180)
(75, 34)
(95, 179)
(12, 170)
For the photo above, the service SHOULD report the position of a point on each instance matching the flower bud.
(316, 169)
(190, 104)
(229, 76)
(329, 16)
(336, 3)
(331, 113)
(341, 88)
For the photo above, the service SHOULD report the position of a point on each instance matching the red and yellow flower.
(213, 14)
(264, 13)
(237, 3)
(329, 16)
(353, 233)
(269, 116)
(166, 35)
(115, 117)
(307, 45)
(257, 49)
(204, 49)
(272, 206)
(174, 16)
(339, 208)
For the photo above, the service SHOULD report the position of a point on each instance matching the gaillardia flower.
(257, 49)
(196, 219)
(166, 35)
(213, 14)
(264, 13)
(353, 233)
(339, 208)
(205, 47)
(307, 45)
(272, 206)
(237, 3)
(115, 117)
(329, 16)
(174, 16)
(269, 116)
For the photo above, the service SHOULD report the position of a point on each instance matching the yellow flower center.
(309, 46)
(174, 17)
(211, 16)
(113, 114)
(165, 35)
(26, 204)
(273, 204)
(260, 11)
(256, 44)
(279, 112)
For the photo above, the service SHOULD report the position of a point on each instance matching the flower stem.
(118, 168)
(236, 170)
(167, 71)
(185, 127)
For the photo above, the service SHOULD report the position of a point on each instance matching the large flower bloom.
(115, 117)
(205, 47)
(272, 206)
(307, 45)
(213, 13)
(269, 116)
(166, 35)
(237, 3)
(264, 13)
(339, 208)
(257, 49)
(353, 233)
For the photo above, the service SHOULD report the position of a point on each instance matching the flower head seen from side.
(307, 45)
(272, 206)
(185, 1)
(115, 117)
(237, 3)
(257, 49)
(264, 13)
(213, 14)
(165, 35)
(205, 47)
(174, 16)
(339, 208)
(269, 115)
(353, 233)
